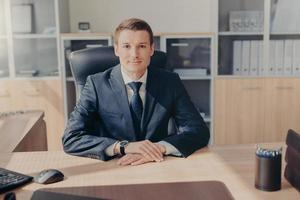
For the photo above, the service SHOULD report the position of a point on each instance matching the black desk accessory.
(10, 180)
(268, 169)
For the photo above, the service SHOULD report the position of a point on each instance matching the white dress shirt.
(170, 149)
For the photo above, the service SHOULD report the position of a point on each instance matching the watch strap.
(122, 150)
(123, 144)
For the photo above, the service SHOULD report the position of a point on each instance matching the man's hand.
(133, 159)
(151, 151)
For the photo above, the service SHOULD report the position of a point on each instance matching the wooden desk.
(23, 131)
(232, 165)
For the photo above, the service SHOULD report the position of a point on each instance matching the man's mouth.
(136, 62)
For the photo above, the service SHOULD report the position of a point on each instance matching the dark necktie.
(136, 108)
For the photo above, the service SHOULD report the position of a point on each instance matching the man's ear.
(116, 50)
(152, 49)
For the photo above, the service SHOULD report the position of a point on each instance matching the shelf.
(185, 34)
(85, 36)
(33, 36)
(195, 77)
(4, 73)
(255, 77)
(285, 33)
(70, 79)
(36, 78)
(46, 76)
(237, 77)
(231, 33)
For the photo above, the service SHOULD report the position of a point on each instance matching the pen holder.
(268, 169)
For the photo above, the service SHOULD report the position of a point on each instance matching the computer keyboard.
(11, 179)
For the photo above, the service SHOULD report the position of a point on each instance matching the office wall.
(162, 15)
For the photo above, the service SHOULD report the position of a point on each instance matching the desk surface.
(232, 165)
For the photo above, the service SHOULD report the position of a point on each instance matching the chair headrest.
(93, 60)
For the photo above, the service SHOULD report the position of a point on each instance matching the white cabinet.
(36, 57)
(241, 38)
(4, 65)
(33, 38)
(259, 38)
(30, 76)
(29, 37)
(258, 70)
(190, 55)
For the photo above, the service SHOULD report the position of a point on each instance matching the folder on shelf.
(190, 72)
(296, 57)
(272, 55)
(254, 58)
(237, 57)
(285, 16)
(279, 54)
(246, 20)
(288, 57)
(22, 18)
(245, 57)
(93, 45)
(262, 69)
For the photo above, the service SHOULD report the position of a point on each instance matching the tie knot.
(135, 86)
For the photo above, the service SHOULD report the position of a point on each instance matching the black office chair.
(292, 158)
(93, 60)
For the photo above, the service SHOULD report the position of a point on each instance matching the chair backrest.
(93, 60)
(292, 158)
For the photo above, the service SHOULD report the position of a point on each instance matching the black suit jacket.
(102, 115)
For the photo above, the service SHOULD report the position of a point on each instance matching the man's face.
(134, 51)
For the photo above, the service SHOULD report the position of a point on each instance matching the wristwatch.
(123, 144)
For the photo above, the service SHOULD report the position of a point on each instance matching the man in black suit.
(131, 106)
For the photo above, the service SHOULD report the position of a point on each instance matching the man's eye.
(126, 46)
(143, 46)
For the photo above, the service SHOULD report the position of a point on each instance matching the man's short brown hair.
(133, 24)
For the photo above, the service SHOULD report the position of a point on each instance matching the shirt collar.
(127, 79)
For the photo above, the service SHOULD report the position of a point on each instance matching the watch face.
(123, 143)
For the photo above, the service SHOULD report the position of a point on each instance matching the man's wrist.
(117, 148)
(123, 144)
(162, 148)
(120, 147)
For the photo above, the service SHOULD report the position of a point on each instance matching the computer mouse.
(48, 176)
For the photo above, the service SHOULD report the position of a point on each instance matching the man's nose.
(134, 52)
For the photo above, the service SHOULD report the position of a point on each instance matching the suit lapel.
(150, 98)
(119, 89)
